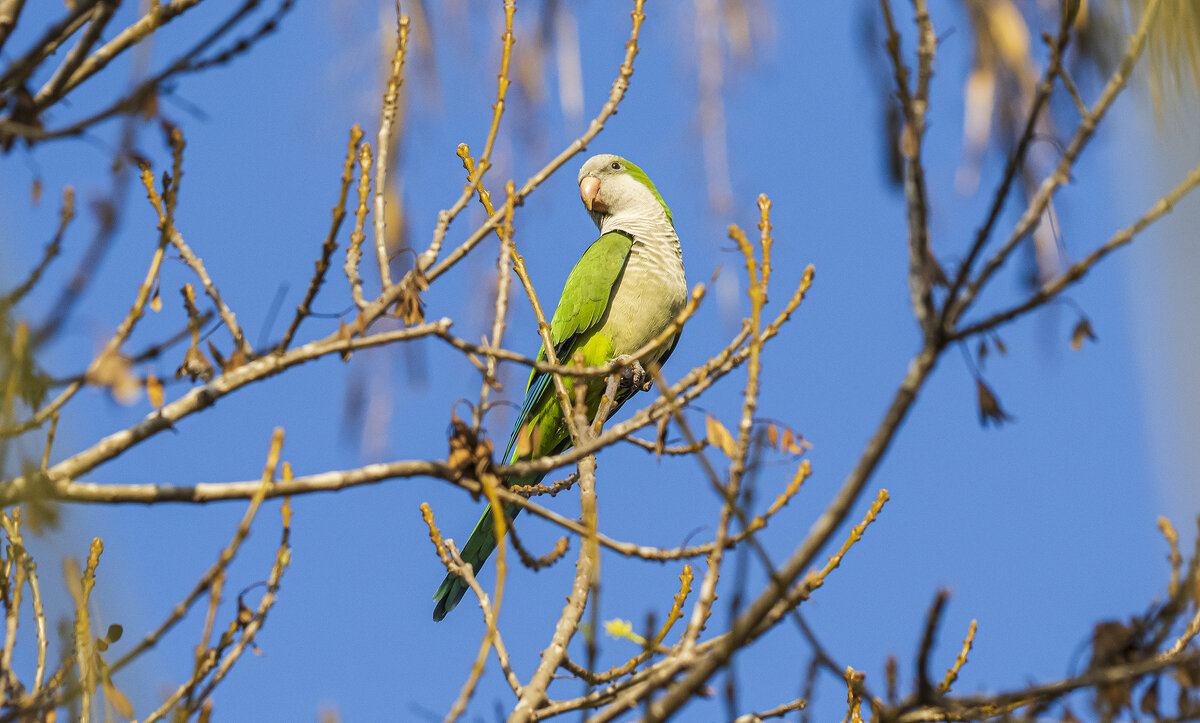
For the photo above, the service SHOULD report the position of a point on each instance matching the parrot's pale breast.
(651, 292)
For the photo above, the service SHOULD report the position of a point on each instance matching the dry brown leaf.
(343, 334)
(236, 359)
(1112, 645)
(216, 354)
(795, 443)
(719, 437)
(154, 391)
(989, 407)
(660, 437)
(409, 306)
(1081, 332)
(114, 371)
(195, 366)
(468, 452)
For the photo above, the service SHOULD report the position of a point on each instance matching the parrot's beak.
(589, 191)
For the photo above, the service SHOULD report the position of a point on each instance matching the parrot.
(626, 289)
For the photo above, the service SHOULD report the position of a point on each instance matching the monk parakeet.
(625, 290)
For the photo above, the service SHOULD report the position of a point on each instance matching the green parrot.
(625, 290)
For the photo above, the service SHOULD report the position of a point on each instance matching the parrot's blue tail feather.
(479, 546)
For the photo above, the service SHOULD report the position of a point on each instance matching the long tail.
(479, 546)
(483, 538)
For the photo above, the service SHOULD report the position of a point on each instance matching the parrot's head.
(612, 188)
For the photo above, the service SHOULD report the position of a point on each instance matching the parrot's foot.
(635, 376)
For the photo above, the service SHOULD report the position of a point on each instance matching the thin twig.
(757, 618)
(1015, 158)
(354, 250)
(1087, 128)
(454, 563)
(52, 249)
(155, 18)
(10, 11)
(475, 171)
(58, 477)
(391, 102)
(426, 261)
(998, 705)
(46, 45)
(1078, 270)
(960, 660)
(586, 573)
(652, 645)
(330, 245)
(217, 570)
(251, 627)
(503, 282)
(925, 687)
(757, 291)
(782, 710)
(99, 20)
(915, 105)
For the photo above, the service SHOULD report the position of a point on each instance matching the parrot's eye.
(615, 165)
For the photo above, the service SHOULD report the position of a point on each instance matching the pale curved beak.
(589, 191)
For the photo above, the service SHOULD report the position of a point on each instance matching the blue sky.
(1041, 528)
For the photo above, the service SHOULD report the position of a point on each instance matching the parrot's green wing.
(584, 301)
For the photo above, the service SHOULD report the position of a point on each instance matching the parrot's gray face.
(611, 186)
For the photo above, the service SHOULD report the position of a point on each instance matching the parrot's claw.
(634, 376)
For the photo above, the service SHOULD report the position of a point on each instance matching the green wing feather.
(589, 286)
(584, 301)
